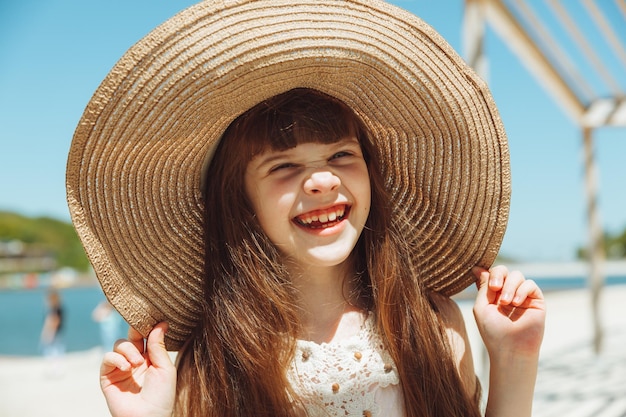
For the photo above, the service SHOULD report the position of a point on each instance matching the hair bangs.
(292, 118)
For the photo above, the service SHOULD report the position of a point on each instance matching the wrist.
(513, 353)
(512, 380)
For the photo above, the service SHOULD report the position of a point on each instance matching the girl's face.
(311, 200)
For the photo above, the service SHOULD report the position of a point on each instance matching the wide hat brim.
(137, 157)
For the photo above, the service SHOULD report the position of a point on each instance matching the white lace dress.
(354, 377)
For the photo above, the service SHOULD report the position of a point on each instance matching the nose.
(321, 181)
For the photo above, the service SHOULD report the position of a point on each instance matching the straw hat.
(136, 159)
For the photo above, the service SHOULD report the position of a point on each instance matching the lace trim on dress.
(342, 379)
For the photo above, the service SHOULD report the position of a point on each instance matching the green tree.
(45, 236)
(614, 246)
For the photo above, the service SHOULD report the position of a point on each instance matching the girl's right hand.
(139, 381)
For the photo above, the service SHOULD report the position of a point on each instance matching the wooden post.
(473, 49)
(595, 247)
(473, 37)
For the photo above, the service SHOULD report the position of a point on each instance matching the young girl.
(325, 267)
(52, 333)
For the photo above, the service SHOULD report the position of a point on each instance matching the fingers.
(136, 339)
(499, 286)
(484, 294)
(156, 346)
(132, 352)
(527, 293)
(496, 276)
(112, 361)
(507, 283)
(125, 354)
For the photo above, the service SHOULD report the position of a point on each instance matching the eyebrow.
(270, 157)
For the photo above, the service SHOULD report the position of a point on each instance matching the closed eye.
(341, 154)
(282, 166)
(344, 157)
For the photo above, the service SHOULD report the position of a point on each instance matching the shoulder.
(448, 311)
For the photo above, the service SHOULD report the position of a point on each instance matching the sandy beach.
(568, 365)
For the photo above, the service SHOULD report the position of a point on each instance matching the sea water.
(22, 313)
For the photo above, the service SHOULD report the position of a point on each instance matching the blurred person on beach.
(51, 339)
(288, 194)
(109, 321)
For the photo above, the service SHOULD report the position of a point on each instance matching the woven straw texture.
(138, 153)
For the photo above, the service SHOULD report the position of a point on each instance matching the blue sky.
(54, 54)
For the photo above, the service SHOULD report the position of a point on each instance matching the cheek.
(365, 199)
(363, 188)
(272, 207)
(367, 202)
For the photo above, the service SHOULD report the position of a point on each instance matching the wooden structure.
(589, 25)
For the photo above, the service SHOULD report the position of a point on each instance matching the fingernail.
(506, 297)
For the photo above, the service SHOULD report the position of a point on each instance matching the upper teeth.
(323, 216)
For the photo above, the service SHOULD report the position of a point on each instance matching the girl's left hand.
(510, 312)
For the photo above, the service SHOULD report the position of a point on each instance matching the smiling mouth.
(321, 219)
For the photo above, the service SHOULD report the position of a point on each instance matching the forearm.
(511, 384)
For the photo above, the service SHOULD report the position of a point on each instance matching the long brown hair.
(235, 362)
